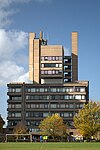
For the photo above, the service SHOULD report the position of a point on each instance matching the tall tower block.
(74, 56)
(34, 58)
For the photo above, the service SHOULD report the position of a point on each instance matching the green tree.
(2, 122)
(53, 126)
(88, 120)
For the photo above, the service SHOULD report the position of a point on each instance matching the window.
(83, 96)
(42, 65)
(69, 90)
(77, 96)
(66, 114)
(62, 105)
(81, 105)
(53, 89)
(65, 80)
(60, 58)
(53, 72)
(18, 114)
(42, 58)
(66, 97)
(18, 89)
(53, 58)
(36, 114)
(9, 106)
(71, 106)
(60, 71)
(17, 105)
(41, 89)
(32, 105)
(14, 90)
(57, 65)
(57, 58)
(45, 58)
(45, 105)
(16, 98)
(82, 89)
(49, 72)
(77, 105)
(60, 65)
(45, 114)
(42, 71)
(49, 58)
(77, 89)
(45, 72)
(32, 89)
(41, 105)
(53, 106)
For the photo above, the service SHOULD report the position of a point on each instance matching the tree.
(88, 120)
(20, 128)
(2, 122)
(53, 126)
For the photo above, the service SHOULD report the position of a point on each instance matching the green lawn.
(49, 146)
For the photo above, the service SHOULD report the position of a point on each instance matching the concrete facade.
(55, 87)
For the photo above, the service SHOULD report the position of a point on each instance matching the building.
(54, 89)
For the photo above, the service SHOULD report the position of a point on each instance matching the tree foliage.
(2, 122)
(20, 128)
(53, 126)
(88, 120)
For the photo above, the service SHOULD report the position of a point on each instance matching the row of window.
(16, 98)
(14, 114)
(45, 114)
(55, 97)
(46, 106)
(14, 106)
(49, 97)
(51, 65)
(53, 106)
(40, 114)
(51, 58)
(56, 90)
(51, 71)
(33, 123)
(48, 89)
(14, 90)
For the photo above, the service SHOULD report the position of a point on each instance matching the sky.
(57, 19)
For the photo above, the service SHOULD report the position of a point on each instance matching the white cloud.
(13, 46)
(12, 42)
(11, 72)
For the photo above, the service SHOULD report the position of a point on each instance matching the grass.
(49, 146)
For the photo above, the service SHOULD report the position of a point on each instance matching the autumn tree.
(20, 128)
(88, 120)
(2, 122)
(53, 126)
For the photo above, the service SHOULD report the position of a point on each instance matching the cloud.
(12, 42)
(13, 56)
(11, 72)
(6, 11)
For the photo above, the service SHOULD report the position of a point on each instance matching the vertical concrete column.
(31, 45)
(74, 56)
(36, 63)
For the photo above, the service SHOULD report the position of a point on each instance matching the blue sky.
(57, 19)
